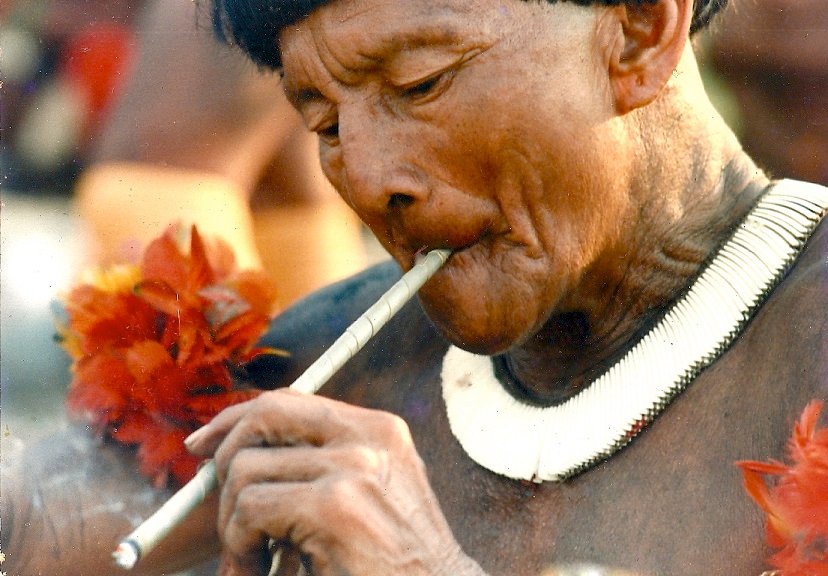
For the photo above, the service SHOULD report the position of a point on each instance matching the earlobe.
(653, 37)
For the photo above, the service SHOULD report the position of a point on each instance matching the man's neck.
(625, 292)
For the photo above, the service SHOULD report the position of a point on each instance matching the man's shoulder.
(786, 341)
(810, 271)
(307, 328)
(331, 309)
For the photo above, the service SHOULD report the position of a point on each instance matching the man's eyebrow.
(382, 53)
(414, 39)
(385, 45)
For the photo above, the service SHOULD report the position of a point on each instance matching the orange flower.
(796, 504)
(153, 347)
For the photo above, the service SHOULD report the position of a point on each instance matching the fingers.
(289, 418)
(297, 465)
(344, 484)
(280, 559)
(343, 523)
(303, 464)
(312, 516)
(279, 417)
(204, 441)
(285, 417)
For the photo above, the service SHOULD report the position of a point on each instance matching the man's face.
(486, 127)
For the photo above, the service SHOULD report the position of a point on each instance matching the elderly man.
(612, 247)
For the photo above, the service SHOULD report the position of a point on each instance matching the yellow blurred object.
(118, 278)
(306, 246)
(302, 246)
(125, 205)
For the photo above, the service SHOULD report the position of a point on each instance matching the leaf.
(224, 304)
(145, 359)
(161, 296)
(206, 407)
(242, 332)
(101, 320)
(99, 391)
(256, 288)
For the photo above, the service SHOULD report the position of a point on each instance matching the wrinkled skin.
(671, 503)
(67, 500)
(573, 230)
(359, 469)
(539, 203)
(429, 170)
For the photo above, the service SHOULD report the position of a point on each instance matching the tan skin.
(579, 207)
(515, 192)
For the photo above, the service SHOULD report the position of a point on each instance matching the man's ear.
(648, 47)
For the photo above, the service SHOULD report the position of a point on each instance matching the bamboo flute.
(155, 528)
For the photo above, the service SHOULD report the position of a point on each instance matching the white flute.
(155, 528)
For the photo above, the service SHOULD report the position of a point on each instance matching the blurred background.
(115, 112)
(61, 67)
(122, 117)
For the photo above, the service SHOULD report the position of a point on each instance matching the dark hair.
(254, 25)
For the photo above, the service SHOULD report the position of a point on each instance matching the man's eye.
(330, 133)
(430, 87)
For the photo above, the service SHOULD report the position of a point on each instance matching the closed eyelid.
(303, 97)
(320, 119)
(407, 71)
(311, 104)
(430, 86)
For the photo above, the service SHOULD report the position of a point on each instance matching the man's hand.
(343, 484)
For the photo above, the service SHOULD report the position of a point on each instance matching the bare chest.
(671, 502)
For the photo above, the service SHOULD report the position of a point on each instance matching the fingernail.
(193, 439)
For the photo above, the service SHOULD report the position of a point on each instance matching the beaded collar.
(528, 442)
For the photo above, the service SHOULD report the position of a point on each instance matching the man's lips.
(425, 249)
(407, 245)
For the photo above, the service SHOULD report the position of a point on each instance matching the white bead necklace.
(528, 442)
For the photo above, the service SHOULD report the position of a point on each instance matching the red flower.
(796, 503)
(153, 347)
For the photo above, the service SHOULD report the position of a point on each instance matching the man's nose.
(380, 165)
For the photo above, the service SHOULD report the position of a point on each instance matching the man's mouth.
(425, 249)
(407, 248)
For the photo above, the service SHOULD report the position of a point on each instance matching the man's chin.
(471, 339)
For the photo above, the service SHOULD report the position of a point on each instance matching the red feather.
(164, 260)
(153, 359)
(796, 499)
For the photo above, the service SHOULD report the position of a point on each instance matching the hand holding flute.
(338, 481)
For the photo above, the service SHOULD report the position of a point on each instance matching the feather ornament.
(794, 498)
(154, 346)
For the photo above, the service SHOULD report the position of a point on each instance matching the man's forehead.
(341, 12)
(363, 33)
